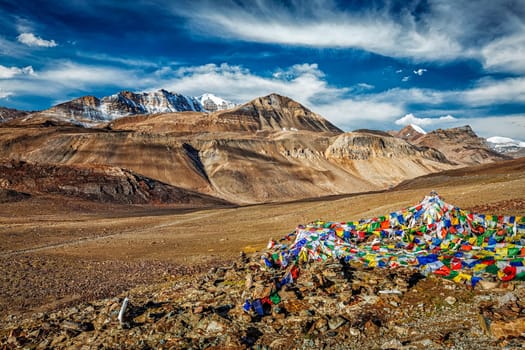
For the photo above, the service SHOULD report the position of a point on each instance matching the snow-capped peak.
(505, 144)
(499, 140)
(418, 129)
(212, 103)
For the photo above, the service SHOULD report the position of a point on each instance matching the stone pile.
(333, 304)
(374, 284)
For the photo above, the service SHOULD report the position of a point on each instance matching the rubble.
(335, 303)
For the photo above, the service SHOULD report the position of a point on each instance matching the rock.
(483, 324)
(392, 344)
(280, 343)
(508, 329)
(336, 322)
(78, 326)
(354, 332)
(321, 324)
(506, 298)
(249, 281)
(215, 327)
(370, 327)
(450, 300)
(198, 309)
(487, 285)
(401, 331)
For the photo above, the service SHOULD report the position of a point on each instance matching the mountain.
(382, 159)
(507, 146)
(276, 113)
(460, 145)
(270, 113)
(87, 110)
(9, 113)
(212, 103)
(267, 150)
(238, 166)
(96, 183)
(410, 132)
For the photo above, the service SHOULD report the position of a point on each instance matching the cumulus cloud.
(405, 79)
(304, 83)
(412, 119)
(347, 107)
(509, 125)
(31, 39)
(420, 71)
(10, 72)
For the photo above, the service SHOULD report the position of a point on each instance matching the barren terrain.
(59, 252)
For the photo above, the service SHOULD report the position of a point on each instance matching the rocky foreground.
(332, 305)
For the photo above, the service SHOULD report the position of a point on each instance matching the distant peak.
(418, 129)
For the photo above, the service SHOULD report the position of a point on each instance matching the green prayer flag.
(492, 269)
(275, 298)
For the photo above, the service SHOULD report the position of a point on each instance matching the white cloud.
(512, 126)
(509, 125)
(347, 107)
(488, 92)
(304, 83)
(420, 71)
(65, 78)
(399, 71)
(412, 119)
(316, 24)
(80, 76)
(492, 32)
(31, 39)
(101, 57)
(365, 86)
(11, 72)
(405, 79)
(5, 94)
(505, 54)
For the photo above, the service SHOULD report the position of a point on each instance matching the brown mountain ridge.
(267, 150)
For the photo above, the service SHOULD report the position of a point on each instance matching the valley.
(95, 207)
(74, 240)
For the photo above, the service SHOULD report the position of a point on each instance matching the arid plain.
(61, 252)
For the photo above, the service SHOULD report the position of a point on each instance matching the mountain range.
(87, 110)
(266, 150)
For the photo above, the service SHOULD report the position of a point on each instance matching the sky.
(360, 64)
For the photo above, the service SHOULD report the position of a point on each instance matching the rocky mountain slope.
(272, 113)
(410, 133)
(276, 112)
(238, 167)
(507, 146)
(460, 145)
(269, 149)
(10, 113)
(90, 109)
(96, 183)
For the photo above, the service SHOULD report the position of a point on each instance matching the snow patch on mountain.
(212, 103)
(505, 144)
(418, 129)
(89, 109)
(500, 140)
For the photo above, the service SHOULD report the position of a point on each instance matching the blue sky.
(381, 65)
